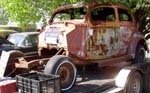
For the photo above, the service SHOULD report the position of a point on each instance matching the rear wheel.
(62, 66)
(140, 54)
(135, 83)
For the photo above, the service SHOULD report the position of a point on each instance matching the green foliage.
(3, 16)
(26, 11)
(30, 11)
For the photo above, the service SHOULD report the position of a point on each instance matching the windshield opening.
(70, 14)
(16, 39)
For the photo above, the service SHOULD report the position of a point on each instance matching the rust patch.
(103, 42)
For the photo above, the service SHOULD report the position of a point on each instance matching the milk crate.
(37, 82)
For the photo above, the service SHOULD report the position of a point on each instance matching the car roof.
(81, 4)
(11, 27)
(2, 30)
(25, 33)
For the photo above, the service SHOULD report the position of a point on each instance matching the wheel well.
(51, 52)
(46, 51)
(140, 72)
(142, 42)
(138, 69)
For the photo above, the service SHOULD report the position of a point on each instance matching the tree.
(3, 17)
(31, 11)
(25, 11)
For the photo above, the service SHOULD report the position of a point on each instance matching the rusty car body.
(87, 33)
(97, 33)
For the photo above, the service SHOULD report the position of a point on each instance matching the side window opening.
(124, 15)
(34, 39)
(110, 17)
(71, 13)
(27, 42)
(103, 14)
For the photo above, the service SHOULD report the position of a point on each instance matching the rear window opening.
(103, 14)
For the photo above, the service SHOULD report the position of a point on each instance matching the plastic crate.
(37, 82)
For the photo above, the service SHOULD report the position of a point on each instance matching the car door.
(30, 45)
(127, 28)
(103, 33)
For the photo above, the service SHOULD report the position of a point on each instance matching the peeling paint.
(95, 31)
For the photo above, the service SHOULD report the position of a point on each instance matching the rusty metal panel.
(127, 31)
(103, 43)
(76, 40)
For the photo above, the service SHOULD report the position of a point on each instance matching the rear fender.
(137, 39)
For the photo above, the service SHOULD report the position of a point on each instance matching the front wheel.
(62, 66)
(134, 84)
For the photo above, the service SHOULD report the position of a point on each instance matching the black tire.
(135, 83)
(62, 66)
(146, 80)
(140, 56)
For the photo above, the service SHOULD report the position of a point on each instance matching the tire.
(135, 83)
(140, 56)
(62, 66)
(146, 81)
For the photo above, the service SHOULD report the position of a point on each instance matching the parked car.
(6, 33)
(5, 45)
(10, 27)
(25, 42)
(5, 30)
